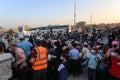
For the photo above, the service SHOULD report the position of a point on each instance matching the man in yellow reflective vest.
(39, 61)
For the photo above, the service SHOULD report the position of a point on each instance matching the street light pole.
(75, 13)
(91, 23)
(91, 19)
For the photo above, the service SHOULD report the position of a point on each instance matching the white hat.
(92, 51)
(85, 43)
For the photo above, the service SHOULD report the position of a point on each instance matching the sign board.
(20, 31)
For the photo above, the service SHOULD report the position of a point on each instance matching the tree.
(10, 31)
(107, 27)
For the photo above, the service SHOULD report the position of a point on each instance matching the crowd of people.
(56, 56)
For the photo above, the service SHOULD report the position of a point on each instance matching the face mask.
(49, 57)
(61, 58)
(54, 47)
(93, 51)
(10, 49)
(114, 46)
(112, 53)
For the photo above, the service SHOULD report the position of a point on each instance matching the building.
(81, 24)
(55, 28)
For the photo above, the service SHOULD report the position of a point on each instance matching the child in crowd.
(63, 68)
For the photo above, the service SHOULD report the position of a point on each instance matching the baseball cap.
(115, 43)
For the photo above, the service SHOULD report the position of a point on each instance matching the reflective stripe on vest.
(41, 60)
(40, 64)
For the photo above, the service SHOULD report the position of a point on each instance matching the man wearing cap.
(114, 55)
(93, 59)
(115, 45)
(115, 66)
(85, 50)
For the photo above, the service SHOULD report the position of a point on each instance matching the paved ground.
(81, 77)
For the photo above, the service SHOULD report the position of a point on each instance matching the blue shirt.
(74, 54)
(93, 60)
(63, 72)
(26, 46)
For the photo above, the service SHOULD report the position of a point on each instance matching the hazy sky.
(14, 13)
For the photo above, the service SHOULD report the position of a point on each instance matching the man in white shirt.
(6, 60)
(85, 50)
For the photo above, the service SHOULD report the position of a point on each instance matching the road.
(81, 77)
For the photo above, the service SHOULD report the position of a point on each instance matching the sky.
(14, 13)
